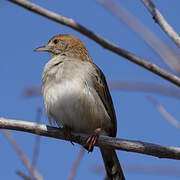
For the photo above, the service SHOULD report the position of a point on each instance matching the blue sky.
(22, 31)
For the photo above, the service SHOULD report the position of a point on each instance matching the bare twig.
(31, 91)
(116, 143)
(160, 170)
(23, 175)
(126, 86)
(37, 140)
(159, 19)
(141, 168)
(22, 156)
(76, 164)
(169, 55)
(145, 87)
(164, 113)
(104, 43)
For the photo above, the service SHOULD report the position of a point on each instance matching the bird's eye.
(55, 41)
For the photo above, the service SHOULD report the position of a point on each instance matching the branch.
(104, 43)
(141, 168)
(168, 55)
(76, 164)
(126, 86)
(164, 112)
(159, 19)
(121, 144)
(146, 87)
(31, 91)
(37, 139)
(23, 175)
(36, 175)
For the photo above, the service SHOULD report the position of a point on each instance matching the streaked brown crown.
(68, 45)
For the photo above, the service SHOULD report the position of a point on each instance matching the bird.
(76, 96)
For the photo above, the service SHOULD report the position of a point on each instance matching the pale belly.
(76, 107)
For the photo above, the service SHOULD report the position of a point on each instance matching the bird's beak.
(42, 49)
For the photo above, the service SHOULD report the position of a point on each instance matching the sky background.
(22, 31)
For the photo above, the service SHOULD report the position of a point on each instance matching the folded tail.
(112, 164)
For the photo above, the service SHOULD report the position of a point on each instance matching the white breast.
(70, 98)
(76, 105)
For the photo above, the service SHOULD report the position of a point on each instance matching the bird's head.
(67, 45)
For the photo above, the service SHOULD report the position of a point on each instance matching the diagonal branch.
(104, 43)
(121, 144)
(76, 164)
(161, 21)
(23, 175)
(164, 112)
(168, 55)
(24, 159)
(37, 139)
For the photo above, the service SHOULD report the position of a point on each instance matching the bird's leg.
(67, 133)
(92, 140)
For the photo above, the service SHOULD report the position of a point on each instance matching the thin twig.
(104, 43)
(141, 168)
(22, 156)
(76, 164)
(161, 21)
(169, 55)
(31, 91)
(23, 175)
(116, 143)
(164, 112)
(37, 139)
(147, 87)
(126, 86)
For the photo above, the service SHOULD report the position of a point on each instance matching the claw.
(92, 140)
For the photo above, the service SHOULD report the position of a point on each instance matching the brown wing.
(102, 89)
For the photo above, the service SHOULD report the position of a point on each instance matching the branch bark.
(104, 43)
(161, 21)
(116, 143)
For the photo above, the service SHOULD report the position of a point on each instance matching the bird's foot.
(67, 134)
(92, 140)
